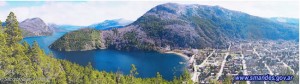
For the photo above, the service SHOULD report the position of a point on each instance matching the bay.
(147, 63)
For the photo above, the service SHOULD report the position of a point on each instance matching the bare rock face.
(35, 27)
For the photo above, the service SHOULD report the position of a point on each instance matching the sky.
(83, 13)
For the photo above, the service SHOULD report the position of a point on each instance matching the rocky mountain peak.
(35, 27)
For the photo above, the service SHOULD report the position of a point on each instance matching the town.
(244, 58)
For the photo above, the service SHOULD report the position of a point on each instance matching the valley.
(217, 46)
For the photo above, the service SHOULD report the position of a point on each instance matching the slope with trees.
(194, 26)
(79, 40)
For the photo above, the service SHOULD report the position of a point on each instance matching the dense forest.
(24, 63)
(79, 40)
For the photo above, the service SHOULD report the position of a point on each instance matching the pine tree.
(133, 71)
(1, 27)
(36, 52)
(26, 47)
(12, 30)
(2, 50)
(176, 80)
(86, 80)
(159, 79)
(186, 77)
(2, 42)
(61, 79)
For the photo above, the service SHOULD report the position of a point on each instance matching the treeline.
(22, 63)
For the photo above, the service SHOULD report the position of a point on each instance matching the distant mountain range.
(105, 25)
(64, 28)
(37, 27)
(109, 24)
(193, 26)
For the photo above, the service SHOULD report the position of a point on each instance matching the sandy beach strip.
(178, 53)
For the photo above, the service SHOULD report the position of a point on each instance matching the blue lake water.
(147, 63)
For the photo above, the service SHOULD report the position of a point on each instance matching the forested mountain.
(79, 40)
(194, 26)
(35, 27)
(22, 63)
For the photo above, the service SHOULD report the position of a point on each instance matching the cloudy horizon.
(84, 13)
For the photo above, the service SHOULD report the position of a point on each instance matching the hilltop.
(35, 27)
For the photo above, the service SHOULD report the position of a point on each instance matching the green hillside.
(79, 40)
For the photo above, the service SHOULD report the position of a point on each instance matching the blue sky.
(89, 12)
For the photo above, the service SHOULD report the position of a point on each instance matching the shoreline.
(178, 53)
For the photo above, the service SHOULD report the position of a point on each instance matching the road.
(285, 65)
(222, 66)
(196, 67)
(270, 71)
(255, 52)
(204, 61)
(245, 67)
(192, 59)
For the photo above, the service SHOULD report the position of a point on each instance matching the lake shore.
(178, 53)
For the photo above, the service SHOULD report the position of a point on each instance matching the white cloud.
(263, 8)
(86, 13)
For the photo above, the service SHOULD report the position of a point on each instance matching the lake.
(147, 63)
